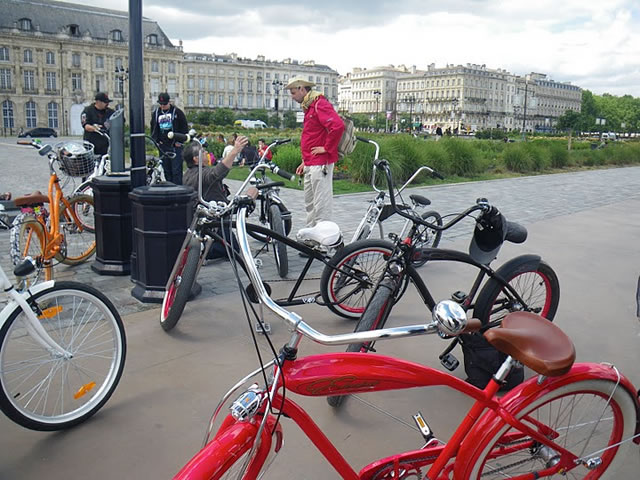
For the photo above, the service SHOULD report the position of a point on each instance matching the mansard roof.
(52, 17)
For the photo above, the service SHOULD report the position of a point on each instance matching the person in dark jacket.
(169, 118)
(93, 119)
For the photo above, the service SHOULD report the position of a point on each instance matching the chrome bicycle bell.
(450, 318)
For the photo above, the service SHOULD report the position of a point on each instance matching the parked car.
(39, 132)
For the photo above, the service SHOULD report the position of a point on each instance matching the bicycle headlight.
(450, 317)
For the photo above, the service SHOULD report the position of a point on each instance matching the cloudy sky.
(594, 44)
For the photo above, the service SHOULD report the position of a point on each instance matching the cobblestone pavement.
(525, 200)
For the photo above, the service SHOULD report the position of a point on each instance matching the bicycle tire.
(279, 249)
(570, 403)
(374, 317)
(84, 322)
(287, 225)
(225, 455)
(85, 188)
(366, 259)
(28, 238)
(79, 238)
(427, 237)
(179, 288)
(536, 283)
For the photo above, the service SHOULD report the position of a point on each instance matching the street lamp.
(277, 86)
(122, 74)
(454, 108)
(410, 100)
(377, 94)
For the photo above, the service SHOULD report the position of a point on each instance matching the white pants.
(318, 193)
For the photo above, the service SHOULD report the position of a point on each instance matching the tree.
(223, 116)
(289, 119)
(361, 120)
(274, 121)
(258, 114)
(570, 120)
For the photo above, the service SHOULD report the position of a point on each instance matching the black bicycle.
(524, 283)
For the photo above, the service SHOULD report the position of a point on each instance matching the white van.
(250, 124)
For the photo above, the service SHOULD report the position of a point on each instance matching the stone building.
(465, 98)
(55, 56)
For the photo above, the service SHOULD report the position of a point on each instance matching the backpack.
(348, 140)
(481, 361)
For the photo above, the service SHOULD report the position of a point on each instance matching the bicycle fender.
(529, 391)
(517, 262)
(12, 305)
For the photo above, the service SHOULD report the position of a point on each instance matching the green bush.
(288, 157)
(559, 155)
(463, 157)
(516, 158)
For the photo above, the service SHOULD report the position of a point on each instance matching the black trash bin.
(112, 209)
(160, 217)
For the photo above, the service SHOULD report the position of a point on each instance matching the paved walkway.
(526, 200)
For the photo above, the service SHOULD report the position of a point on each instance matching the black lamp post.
(454, 114)
(277, 86)
(377, 94)
(121, 74)
(410, 100)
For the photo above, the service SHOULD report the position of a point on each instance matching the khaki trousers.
(318, 193)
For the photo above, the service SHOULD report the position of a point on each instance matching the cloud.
(590, 43)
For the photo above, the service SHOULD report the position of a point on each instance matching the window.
(116, 35)
(25, 24)
(51, 81)
(7, 114)
(240, 101)
(191, 83)
(212, 98)
(30, 114)
(220, 100)
(5, 79)
(100, 83)
(52, 113)
(119, 63)
(153, 39)
(74, 30)
(266, 87)
(249, 101)
(172, 67)
(240, 85)
(249, 86)
(201, 99)
(28, 56)
(29, 80)
(50, 58)
(99, 61)
(154, 66)
(231, 101)
(171, 86)
(76, 81)
(221, 84)
(268, 76)
(212, 84)
(155, 86)
(190, 99)
(231, 85)
(4, 54)
(75, 59)
(201, 83)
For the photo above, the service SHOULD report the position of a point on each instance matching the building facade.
(54, 57)
(464, 98)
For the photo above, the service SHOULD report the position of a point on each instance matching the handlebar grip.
(282, 142)
(362, 139)
(284, 174)
(180, 137)
(24, 142)
(437, 175)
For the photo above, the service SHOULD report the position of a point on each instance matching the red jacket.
(323, 127)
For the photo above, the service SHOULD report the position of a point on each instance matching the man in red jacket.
(321, 133)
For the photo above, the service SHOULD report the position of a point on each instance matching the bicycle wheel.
(535, 282)
(28, 239)
(578, 416)
(179, 287)
(427, 237)
(286, 216)
(42, 390)
(279, 248)
(79, 238)
(374, 317)
(226, 455)
(365, 262)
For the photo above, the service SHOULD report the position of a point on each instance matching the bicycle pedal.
(263, 328)
(450, 362)
(425, 430)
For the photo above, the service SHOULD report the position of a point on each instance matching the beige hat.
(299, 82)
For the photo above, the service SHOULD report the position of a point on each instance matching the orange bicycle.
(66, 233)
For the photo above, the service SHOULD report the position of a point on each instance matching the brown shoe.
(5, 196)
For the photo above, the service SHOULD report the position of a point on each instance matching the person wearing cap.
(169, 118)
(321, 134)
(93, 119)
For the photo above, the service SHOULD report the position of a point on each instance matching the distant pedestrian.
(438, 132)
(262, 147)
(321, 132)
(169, 118)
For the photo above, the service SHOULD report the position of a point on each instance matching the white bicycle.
(62, 352)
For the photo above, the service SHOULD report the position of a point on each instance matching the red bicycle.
(574, 420)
